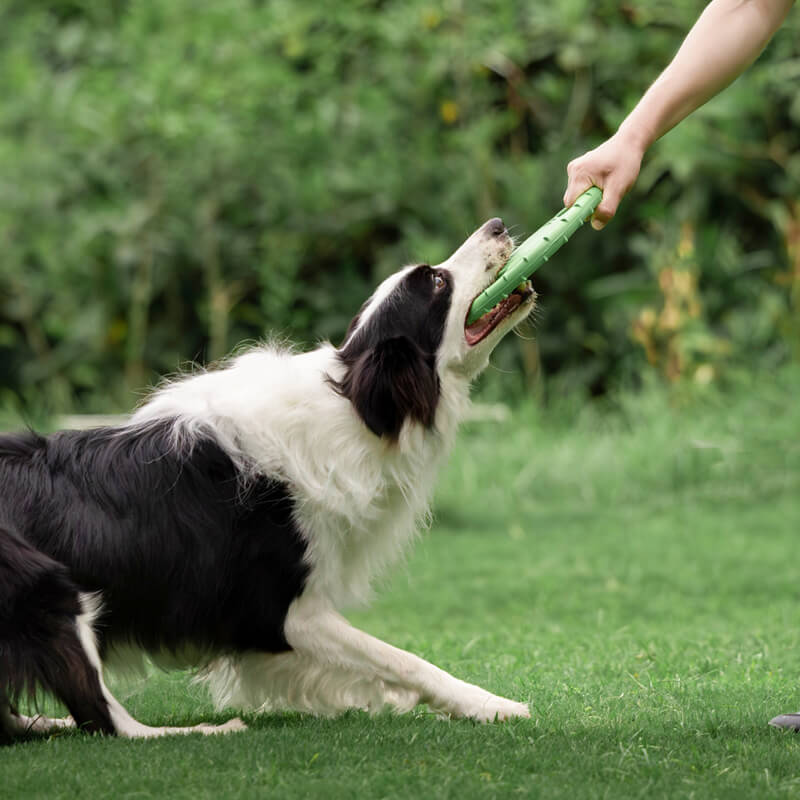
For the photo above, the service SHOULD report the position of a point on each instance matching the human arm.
(727, 37)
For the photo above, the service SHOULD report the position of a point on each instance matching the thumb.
(575, 187)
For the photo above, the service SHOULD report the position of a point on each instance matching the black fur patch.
(183, 555)
(391, 360)
(39, 643)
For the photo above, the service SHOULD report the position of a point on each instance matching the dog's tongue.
(484, 325)
(479, 328)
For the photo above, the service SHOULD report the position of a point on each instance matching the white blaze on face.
(474, 266)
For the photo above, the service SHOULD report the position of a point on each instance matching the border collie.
(227, 522)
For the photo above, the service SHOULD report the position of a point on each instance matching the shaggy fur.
(238, 510)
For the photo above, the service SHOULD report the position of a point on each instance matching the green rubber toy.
(534, 251)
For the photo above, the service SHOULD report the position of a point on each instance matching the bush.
(181, 176)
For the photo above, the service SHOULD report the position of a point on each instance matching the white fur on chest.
(359, 498)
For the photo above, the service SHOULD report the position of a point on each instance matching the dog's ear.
(391, 382)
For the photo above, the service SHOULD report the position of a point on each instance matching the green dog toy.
(534, 251)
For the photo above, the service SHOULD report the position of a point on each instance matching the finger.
(607, 208)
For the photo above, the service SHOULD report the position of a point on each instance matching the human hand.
(613, 167)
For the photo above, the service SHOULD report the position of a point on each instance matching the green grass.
(633, 574)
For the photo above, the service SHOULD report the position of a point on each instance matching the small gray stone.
(789, 721)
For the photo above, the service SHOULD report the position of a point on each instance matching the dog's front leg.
(317, 631)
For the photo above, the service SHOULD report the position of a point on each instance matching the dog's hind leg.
(47, 642)
(12, 723)
(39, 643)
(124, 724)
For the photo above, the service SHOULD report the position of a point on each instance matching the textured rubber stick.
(535, 250)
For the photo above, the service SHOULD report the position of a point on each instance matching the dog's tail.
(40, 643)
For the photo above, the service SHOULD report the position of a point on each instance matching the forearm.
(725, 40)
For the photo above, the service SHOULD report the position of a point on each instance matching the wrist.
(634, 137)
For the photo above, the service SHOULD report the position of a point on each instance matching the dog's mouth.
(483, 326)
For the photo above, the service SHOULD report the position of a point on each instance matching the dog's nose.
(495, 227)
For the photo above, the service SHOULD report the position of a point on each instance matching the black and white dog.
(226, 523)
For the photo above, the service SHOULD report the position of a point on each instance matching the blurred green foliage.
(178, 176)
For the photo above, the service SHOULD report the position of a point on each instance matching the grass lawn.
(633, 574)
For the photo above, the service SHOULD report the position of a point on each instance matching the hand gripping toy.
(534, 251)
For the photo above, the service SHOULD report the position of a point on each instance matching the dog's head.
(412, 332)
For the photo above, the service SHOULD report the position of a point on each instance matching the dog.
(227, 522)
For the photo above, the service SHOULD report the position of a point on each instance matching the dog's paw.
(498, 709)
(39, 723)
(490, 708)
(231, 726)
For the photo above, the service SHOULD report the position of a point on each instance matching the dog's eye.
(439, 281)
